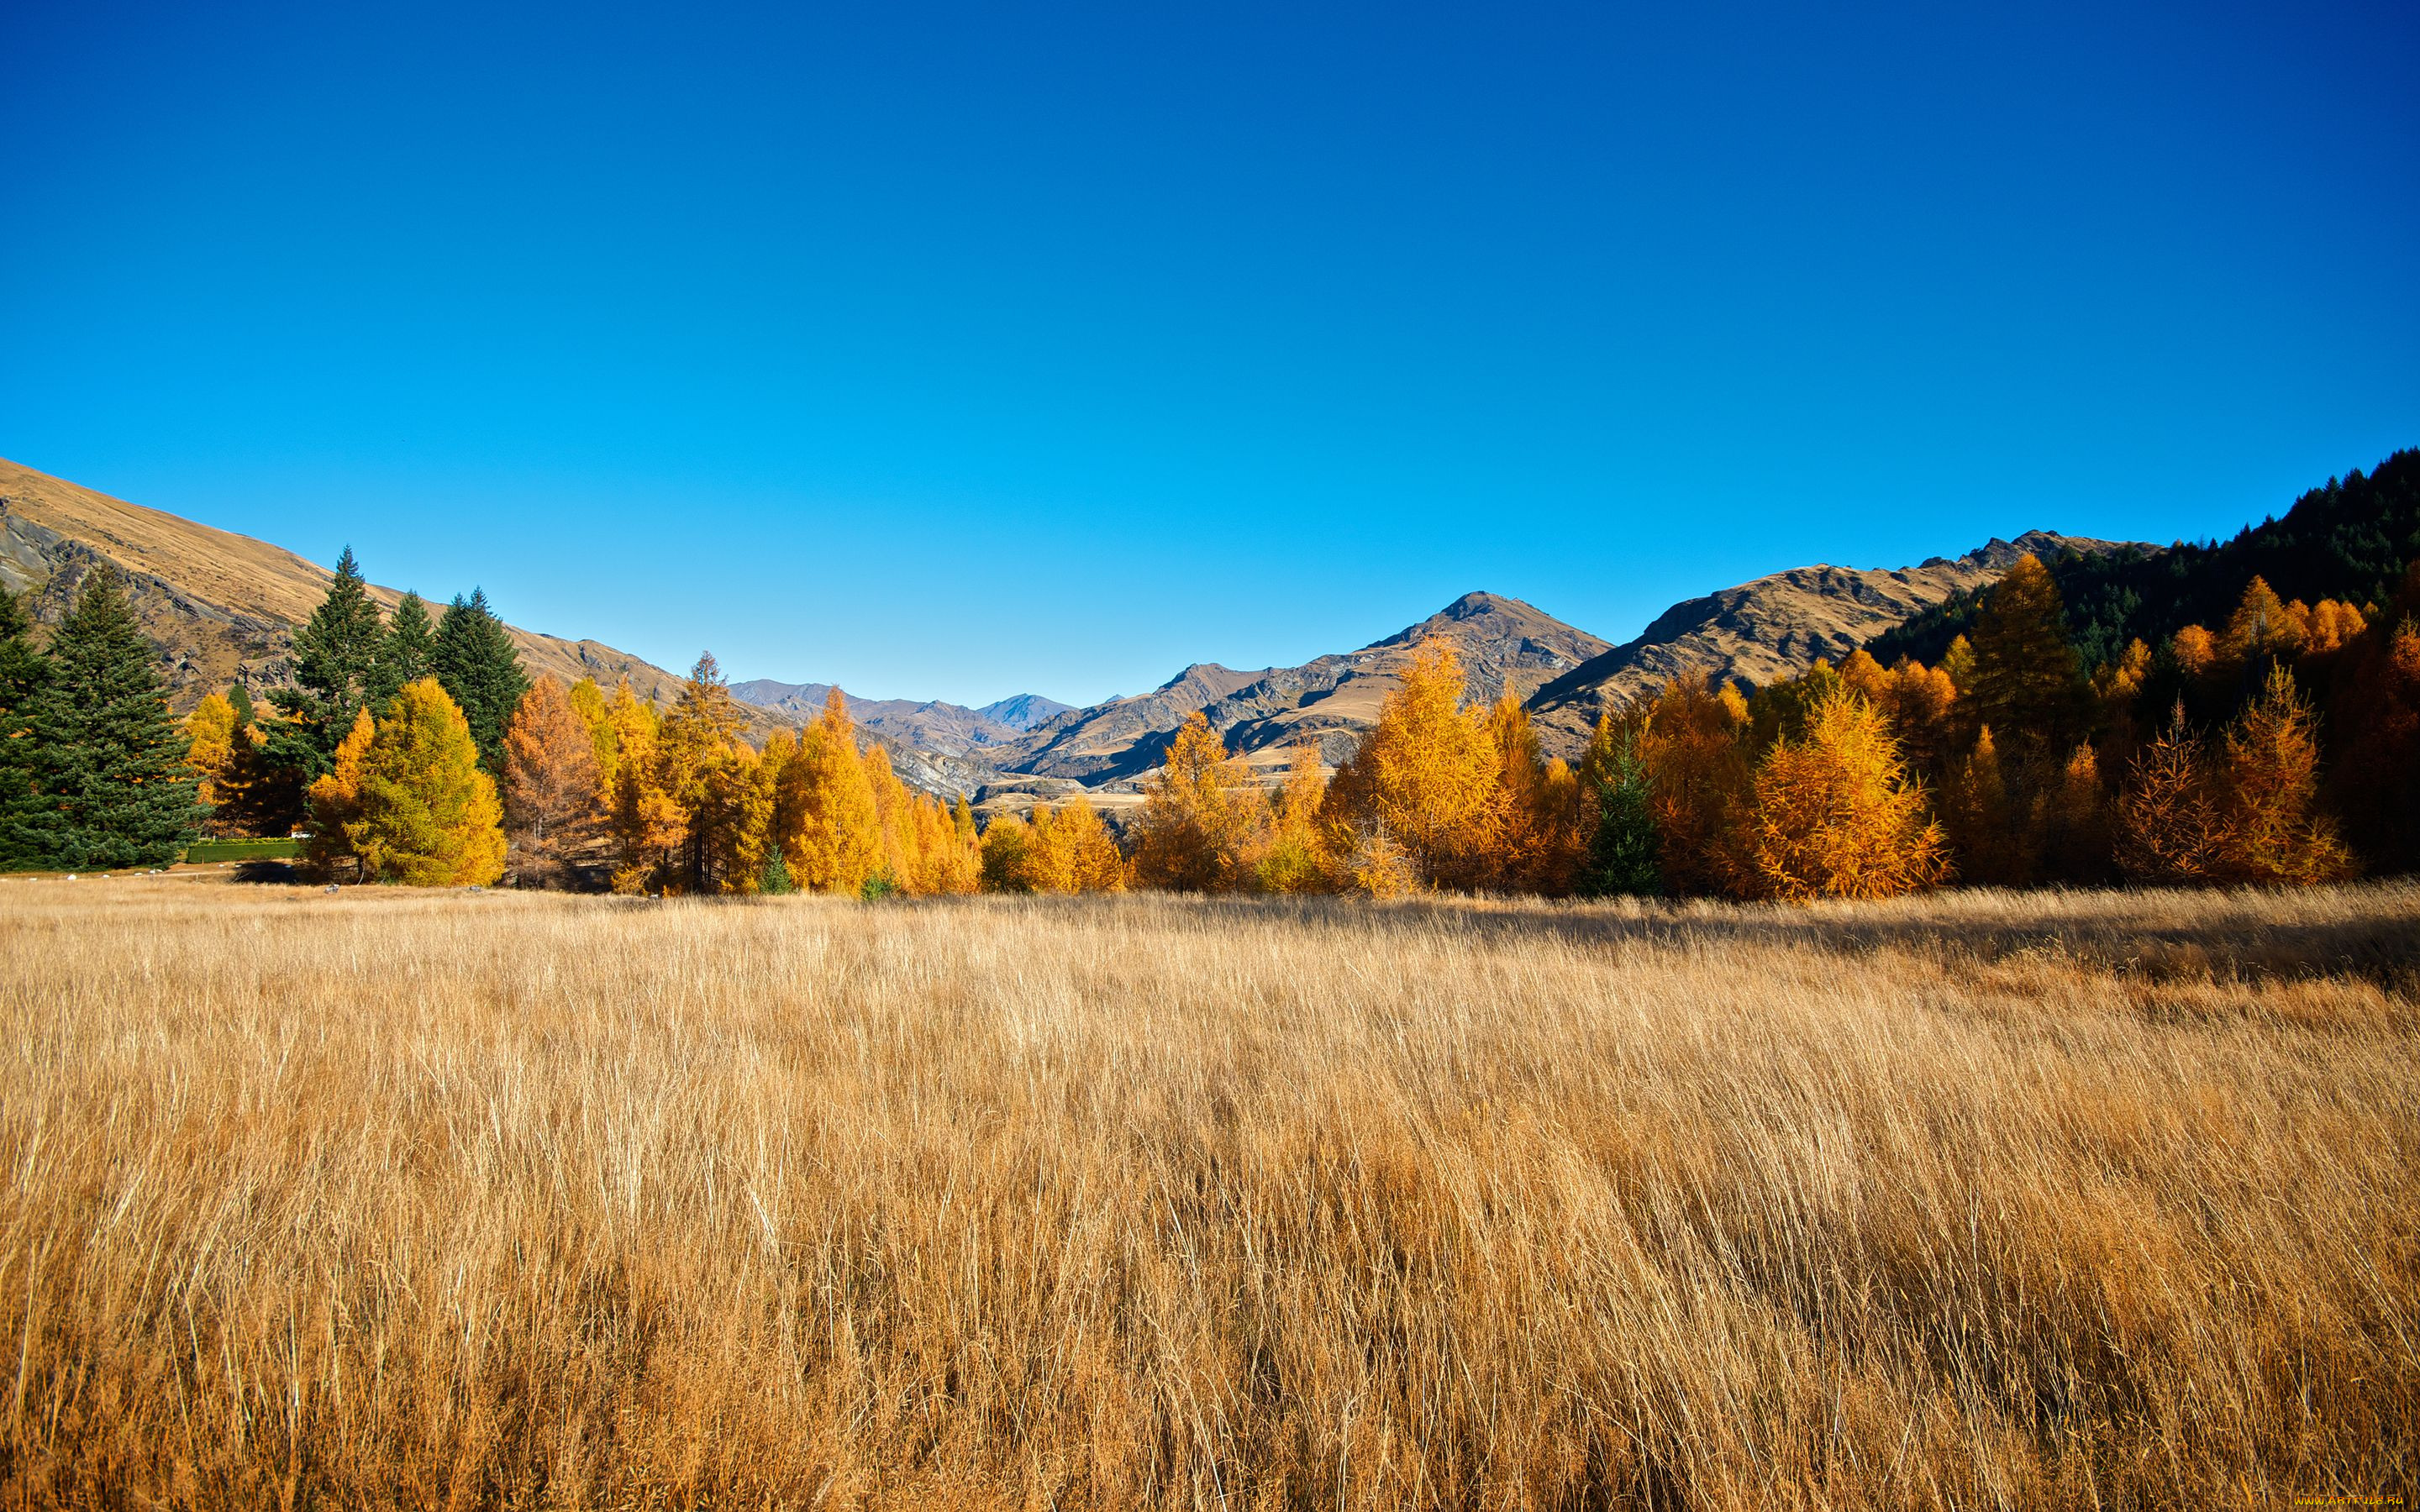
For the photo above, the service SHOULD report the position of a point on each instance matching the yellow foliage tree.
(2195, 653)
(1296, 859)
(1204, 821)
(2070, 822)
(826, 818)
(2170, 826)
(1063, 850)
(1425, 778)
(427, 816)
(550, 786)
(596, 715)
(1006, 842)
(2269, 773)
(1982, 819)
(1836, 815)
(1694, 751)
(2262, 626)
(334, 799)
(212, 754)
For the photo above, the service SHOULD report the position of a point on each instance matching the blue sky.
(958, 351)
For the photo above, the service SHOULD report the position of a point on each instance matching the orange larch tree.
(1836, 815)
(551, 783)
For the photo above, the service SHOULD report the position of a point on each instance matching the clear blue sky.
(959, 351)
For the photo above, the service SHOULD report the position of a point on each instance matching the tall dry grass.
(452, 1199)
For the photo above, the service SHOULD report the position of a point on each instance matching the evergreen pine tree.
(334, 655)
(239, 698)
(775, 881)
(1621, 854)
(23, 671)
(2026, 683)
(110, 769)
(403, 652)
(472, 657)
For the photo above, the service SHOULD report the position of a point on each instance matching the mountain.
(946, 729)
(2348, 541)
(1023, 711)
(1503, 644)
(224, 608)
(1775, 626)
(224, 605)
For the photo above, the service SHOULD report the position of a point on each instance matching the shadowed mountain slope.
(1503, 642)
(1775, 626)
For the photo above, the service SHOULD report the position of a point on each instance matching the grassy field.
(446, 1199)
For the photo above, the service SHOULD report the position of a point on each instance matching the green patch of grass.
(244, 850)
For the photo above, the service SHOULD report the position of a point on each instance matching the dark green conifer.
(775, 881)
(1622, 849)
(23, 669)
(334, 656)
(112, 787)
(403, 652)
(474, 662)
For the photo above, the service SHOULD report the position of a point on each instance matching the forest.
(2272, 742)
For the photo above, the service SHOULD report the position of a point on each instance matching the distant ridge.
(1329, 700)
(224, 606)
(1773, 627)
(945, 729)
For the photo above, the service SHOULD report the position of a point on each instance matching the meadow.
(442, 1199)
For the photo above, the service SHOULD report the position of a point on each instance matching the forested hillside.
(2348, 541)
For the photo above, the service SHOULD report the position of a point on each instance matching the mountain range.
(222, 607)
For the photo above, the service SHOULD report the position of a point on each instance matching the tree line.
(419, 751)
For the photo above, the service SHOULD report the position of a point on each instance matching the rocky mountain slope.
(223, 607)
(944, 729)
(1503, 644)
(1774, 627)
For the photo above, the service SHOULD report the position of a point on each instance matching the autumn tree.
(211, 736)
(2171, 828)
(694, 810)
(2269, 765)
(2376, 715)
(1693, 747)
(650, 827)
(825, 817)
(2071, 822)
(1982, 819)
(923, 852)
(1531, 839)
(2026, 683)
(334, 802)
(1203, 819)
(1006, 842)
(426, 814)
(1836, 815)
(1426, 775)
(1296, 859)
(2261, 628)
(550, 788)
(1072, 850)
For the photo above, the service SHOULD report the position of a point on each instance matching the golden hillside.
(221, 607)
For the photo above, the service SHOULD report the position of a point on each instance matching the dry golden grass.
(425, 1199)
